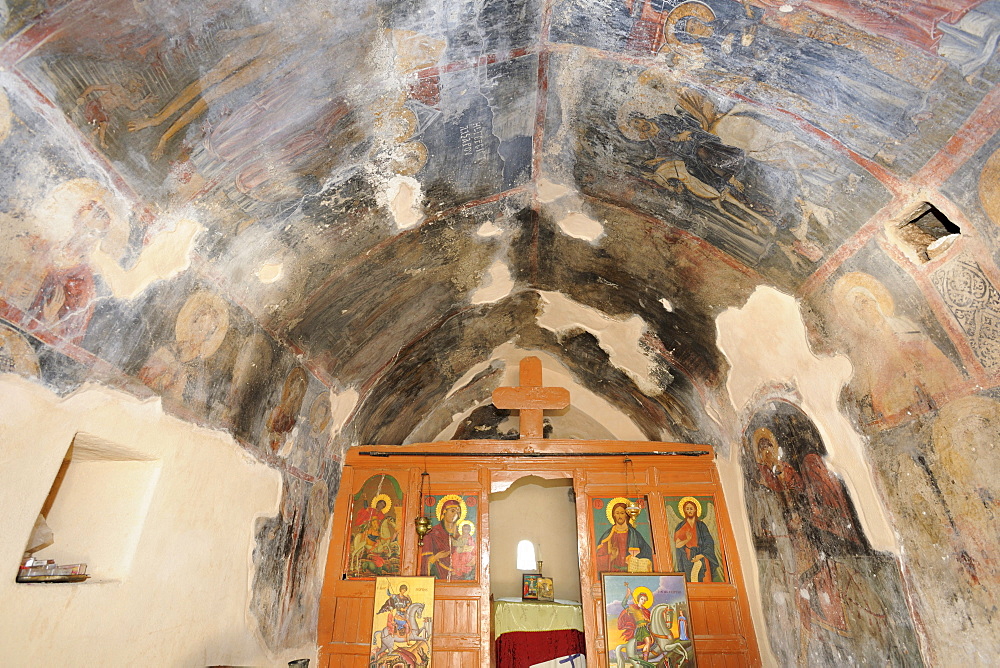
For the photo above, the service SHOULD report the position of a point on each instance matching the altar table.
(529, 632)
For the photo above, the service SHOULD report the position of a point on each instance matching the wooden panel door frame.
(596, 467)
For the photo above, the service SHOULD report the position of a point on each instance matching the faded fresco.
(904, 362)
(695, 538)
(450, 550)
(729, 172)
(287, 575)
(940, 482)
(885, 62)
(622, 544)
(828, 596)
(376, 516)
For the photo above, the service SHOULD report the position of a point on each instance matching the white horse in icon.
(665, 646)
(419, 629)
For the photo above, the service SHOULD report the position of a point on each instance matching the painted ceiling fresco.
(315, 224)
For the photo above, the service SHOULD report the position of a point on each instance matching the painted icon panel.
(402, 622)
(694, 538)
(624, 544)
(450, 550)
(376, 513)
(647, 620)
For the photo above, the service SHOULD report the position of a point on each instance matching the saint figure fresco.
(966, 459)
(283, 417)
(896, 365)
(180, 370)
(79, 218)
(817, 567)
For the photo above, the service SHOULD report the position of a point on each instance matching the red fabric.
(520, 649)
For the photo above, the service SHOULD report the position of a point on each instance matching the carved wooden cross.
(531, 398)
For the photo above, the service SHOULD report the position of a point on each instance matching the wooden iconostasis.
(381, 496)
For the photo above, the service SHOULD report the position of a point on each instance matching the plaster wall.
(179, 596)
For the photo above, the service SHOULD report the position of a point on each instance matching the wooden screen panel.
(718, 612)
(457, 659)
(455, 617)
(352, 620)
(714, 617)
(343, 661)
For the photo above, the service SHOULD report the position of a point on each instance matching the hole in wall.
(96, 507)
(924, 234)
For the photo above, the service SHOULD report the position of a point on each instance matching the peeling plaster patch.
(765, 343)
(488, 229)
(496, 287)
(270, 272)
(167, 255)
(342, 406)
(667, 305)
(620, 339)
(581, 226)
(404, 195)
(550, 192)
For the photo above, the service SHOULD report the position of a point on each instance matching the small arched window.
(525, 556)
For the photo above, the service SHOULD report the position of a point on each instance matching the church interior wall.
(238, 239)
(179, 591)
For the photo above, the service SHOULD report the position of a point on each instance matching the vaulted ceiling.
(393, 190)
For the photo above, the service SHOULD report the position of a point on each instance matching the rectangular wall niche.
(97, 506)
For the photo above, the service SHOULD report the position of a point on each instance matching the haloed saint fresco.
(375, 516)
(836, 599)
(694, 538)
(450, 549)
(624, 544)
